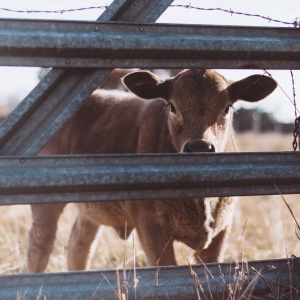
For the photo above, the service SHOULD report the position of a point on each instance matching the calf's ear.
(252, 88)
(147, 85)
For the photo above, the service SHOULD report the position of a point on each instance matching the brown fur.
(188, 113)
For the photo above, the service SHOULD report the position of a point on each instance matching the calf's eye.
(172, 107)
(226, 111)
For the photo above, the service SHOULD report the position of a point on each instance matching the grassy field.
(263, 228)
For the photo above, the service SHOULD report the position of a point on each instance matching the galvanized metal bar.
(44, 111)
(94, 45)
(152, 176)
(173, 282)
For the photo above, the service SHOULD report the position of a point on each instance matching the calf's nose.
(198, 146)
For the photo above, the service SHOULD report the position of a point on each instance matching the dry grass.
(270, 229)
(269, 232)
(269, 141)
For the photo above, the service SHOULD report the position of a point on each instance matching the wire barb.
(297, 119)
(296, 133)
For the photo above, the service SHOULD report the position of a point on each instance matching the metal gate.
(125, 36)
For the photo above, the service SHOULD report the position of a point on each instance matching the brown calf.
(188, 113)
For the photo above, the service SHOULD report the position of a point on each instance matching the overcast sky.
(20, 81)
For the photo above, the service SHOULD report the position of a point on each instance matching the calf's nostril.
(211, 148)
(187, 148)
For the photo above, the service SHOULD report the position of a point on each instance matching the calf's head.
(199, 104)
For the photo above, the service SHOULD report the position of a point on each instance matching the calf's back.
(114, 122)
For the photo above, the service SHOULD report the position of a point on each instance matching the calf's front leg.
(42, 235)
(157, 242)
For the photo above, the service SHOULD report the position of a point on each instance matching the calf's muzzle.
(198, 146)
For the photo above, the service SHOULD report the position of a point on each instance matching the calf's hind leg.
(42, 235)
(83, 234)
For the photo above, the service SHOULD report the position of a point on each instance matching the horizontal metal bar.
(151, 176)
(173, 282)
(107, 45)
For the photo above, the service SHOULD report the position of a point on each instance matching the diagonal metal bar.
(112, 177)
(135, 11)
(174, 282)
(45, 110)
(27, 130)
(90, 44)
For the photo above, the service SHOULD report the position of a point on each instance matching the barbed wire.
(295, 22)
(296, 131)
(58, 11)
(294, 93)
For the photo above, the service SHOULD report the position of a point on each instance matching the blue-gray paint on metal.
(106, 45)
(148, 176)
(174, 282)
(48, 107)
